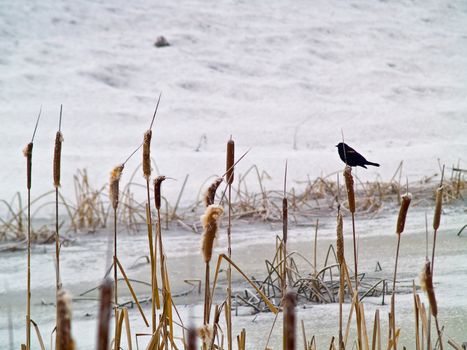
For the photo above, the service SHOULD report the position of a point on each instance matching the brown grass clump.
(406, 198)
(426, 282)
(65, 340)
(210, 224)
(147, 154)
(210, 194)
(57, 158)
(114, 184)
(205, 333)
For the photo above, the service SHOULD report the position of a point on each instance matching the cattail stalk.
(406, 199)
(115, 176)
(341, 261)
(426, 281)
(349, 184)
(230, 164)
(64, 322)
(290, 300)
(56, 178)
(105, 311)
(165, 283)
(210, 222)
(436, 221)
(28, 154)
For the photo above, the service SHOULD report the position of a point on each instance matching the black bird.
(351, 157)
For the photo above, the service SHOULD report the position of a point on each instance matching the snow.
(282, 78)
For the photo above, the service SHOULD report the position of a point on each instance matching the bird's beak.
(337, 145)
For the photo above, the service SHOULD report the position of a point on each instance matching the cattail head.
(406, 198)
(205, 333)
(191, 338)
(349, 185)
(57, 158)
(290, 300)
(340, 239)
(64, 337)
(105, 313)
(210, 194)
(426, 282)
(438, 207)
(285, 218)
(27, 151)
(147, 154)
(210, 221)
(157, 190)
(229, 169)
(114, 184)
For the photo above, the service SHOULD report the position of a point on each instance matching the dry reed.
(405, 202)
(230, 164)
(28, 154)
(210, 222)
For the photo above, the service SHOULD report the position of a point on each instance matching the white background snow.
(282, 77)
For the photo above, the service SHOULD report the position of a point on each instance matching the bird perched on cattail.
(351, 157)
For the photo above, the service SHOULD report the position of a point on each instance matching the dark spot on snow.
(161, 42)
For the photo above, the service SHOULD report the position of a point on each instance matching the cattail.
(406, 198)
(28, 154)
(157, 190)
(192, 338)
(285, 218)
(57, 158)
(211, 192)
(64, 322)
(289, 320)
(205, 333)
(210, 225)
(147, 154)
(114, 184)
(105, 312)
(349, 185)
(230, 161)
(340, 239)
(439, 204)
(426, 282)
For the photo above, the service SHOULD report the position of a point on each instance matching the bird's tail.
(370, 163)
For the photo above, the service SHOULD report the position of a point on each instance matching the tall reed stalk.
(115, 176)
(56, 177)
(437, 218)
(349, 184)
(342, 267)
(230, 177)
(406, 198)
(290, 301)
(28, 154)
(426, 281)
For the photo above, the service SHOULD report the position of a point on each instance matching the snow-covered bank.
(84, 263)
